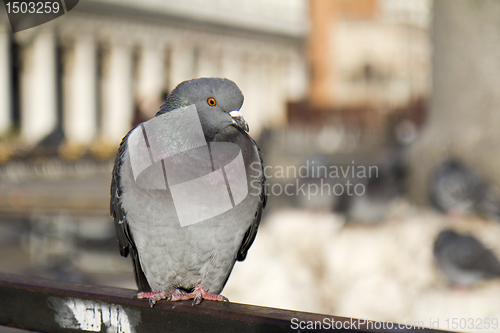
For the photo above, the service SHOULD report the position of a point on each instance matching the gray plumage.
(463, 259)
(166, 256)
(457, 188)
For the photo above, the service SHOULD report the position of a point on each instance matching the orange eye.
(211, 101)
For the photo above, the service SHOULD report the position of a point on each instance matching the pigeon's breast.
(175, 253)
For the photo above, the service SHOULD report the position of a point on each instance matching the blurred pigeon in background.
(379, 191)
(193, 261)
(50, 144)
(463, 259)
(456, 189)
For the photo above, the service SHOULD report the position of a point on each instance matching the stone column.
(464, 114)
(150, 79)
(296, 77)
(5, 80)
(209, 62)
(39, 88)
(232, 64)
(80, 107)
(278, 79)
(182, 60)
(254, 85)
(117, 94)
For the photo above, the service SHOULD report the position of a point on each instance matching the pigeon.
(379, 191)
(50, 144)
(181, 247)
(463, 259)
(456, 189)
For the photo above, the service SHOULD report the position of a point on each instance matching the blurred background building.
(369, 59)
(107, 65)
(343, 83)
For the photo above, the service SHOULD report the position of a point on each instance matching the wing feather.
(250, 234)
(125, 239)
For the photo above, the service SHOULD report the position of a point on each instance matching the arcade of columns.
(112, 66)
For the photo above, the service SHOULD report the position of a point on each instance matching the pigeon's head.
(444, 237)
(217, 101)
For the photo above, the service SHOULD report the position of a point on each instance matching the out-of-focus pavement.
(54, 223)
(51, 186)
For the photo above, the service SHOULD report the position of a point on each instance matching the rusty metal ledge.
(54, 306)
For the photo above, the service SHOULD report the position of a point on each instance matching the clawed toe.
(153, 296)
(200, 294)
(197, 295)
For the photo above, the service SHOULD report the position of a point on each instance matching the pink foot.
(461, 288)
(455, 214)
(197, 296)
(154, 297)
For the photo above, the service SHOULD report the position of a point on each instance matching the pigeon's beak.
(238, 120)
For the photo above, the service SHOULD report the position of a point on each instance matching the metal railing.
(44, 305)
